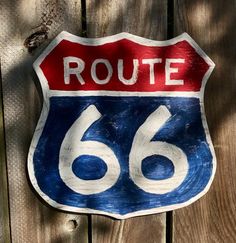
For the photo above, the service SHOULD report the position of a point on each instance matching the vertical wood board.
(28, 26)
(147, 19)
(150, 228)
(212, 25)
(4, 210)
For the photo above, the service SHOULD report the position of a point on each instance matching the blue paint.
(157, 167)
(89, 167)
(121, 117)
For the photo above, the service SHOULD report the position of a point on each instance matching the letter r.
(68, 71)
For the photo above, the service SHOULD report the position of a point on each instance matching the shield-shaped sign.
(123, 130)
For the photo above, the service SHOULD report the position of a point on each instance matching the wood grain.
(212, 25)
(149, 229)
(4, 210)
(28, 26)
(144, 18)
(147, 19)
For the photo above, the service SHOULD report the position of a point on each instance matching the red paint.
(192, 71)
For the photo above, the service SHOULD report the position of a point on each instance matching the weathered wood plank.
(212, 25)
(4, 211)
(149, 229)
(143, 18)
(147, 19)
(26, 25)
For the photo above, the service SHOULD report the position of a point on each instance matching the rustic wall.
(26, 28)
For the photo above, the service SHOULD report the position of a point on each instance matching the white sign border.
(47, 94)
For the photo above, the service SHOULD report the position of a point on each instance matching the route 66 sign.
(122, 130)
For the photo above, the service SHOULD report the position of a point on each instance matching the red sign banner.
(174, 65)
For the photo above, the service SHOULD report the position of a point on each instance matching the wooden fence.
(26, 28)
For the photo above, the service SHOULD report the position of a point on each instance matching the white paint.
(44, 114)
(94, 71)
(122, 93)
(169, 70)
(134, 76)
(68, 71)
(72, 147)
(151, 63)
(143, 147)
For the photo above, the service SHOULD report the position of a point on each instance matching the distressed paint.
(118, 114)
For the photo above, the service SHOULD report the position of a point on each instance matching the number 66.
(72, 147)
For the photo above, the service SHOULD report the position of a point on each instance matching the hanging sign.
(123, 130)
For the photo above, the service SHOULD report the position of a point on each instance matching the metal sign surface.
(123, 130)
